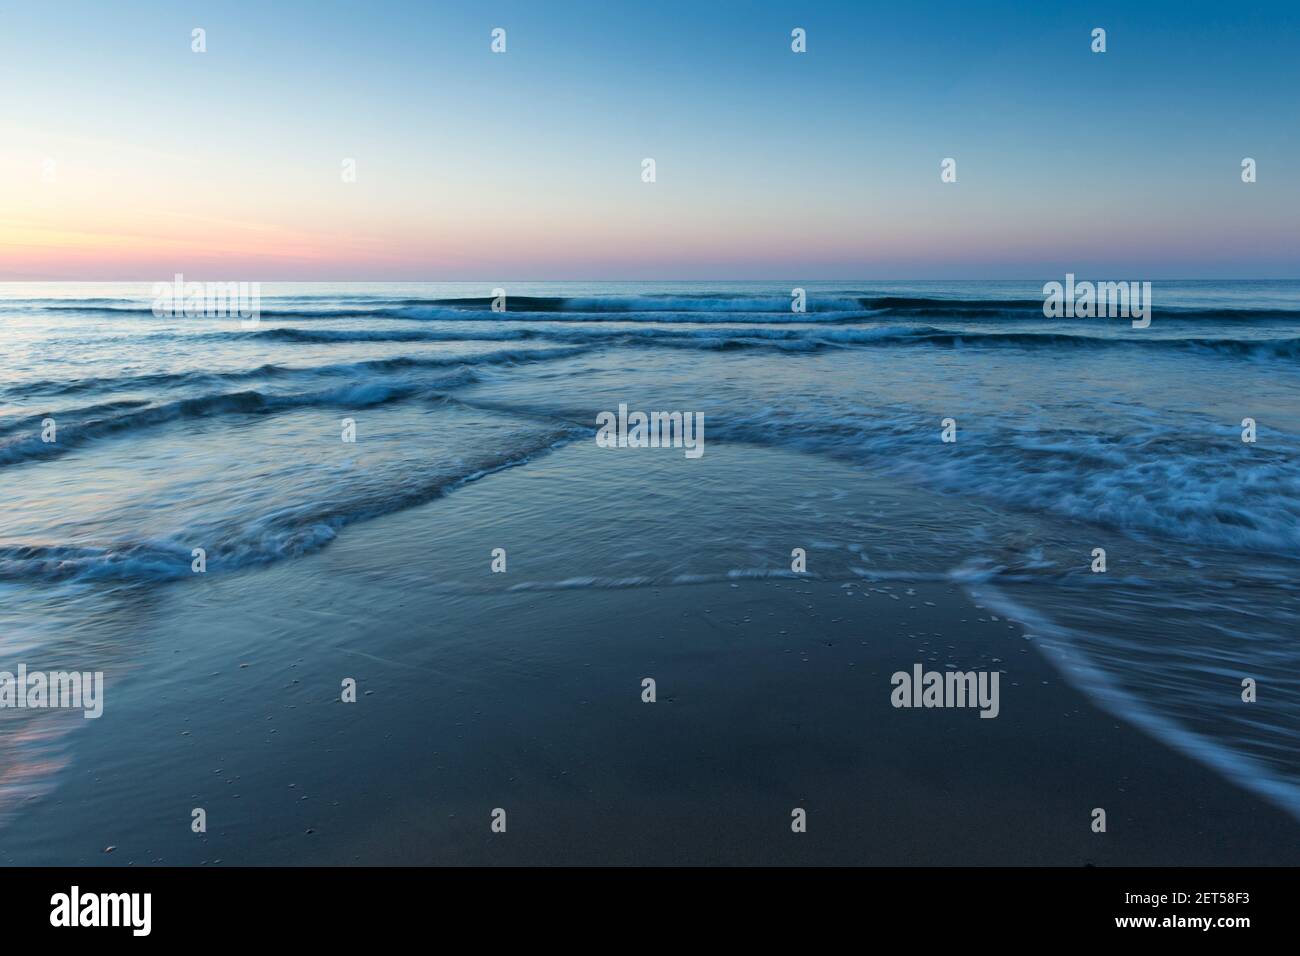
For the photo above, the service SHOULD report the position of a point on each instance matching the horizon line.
(1288, 278)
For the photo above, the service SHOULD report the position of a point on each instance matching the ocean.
(178, 433)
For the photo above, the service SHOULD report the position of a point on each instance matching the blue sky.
(526, 165)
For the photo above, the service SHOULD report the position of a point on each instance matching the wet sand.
(772, 695)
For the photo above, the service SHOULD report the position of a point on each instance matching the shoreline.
(773, 694)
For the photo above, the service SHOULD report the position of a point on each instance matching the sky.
(126, 155)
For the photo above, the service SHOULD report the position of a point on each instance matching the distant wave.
(710, 303)
(709, 339)
(568, 342)
(716, 307)
(321, 336)
(55, 387)
(671, 336)
(758, 336)
(78, 426)
(1206, 488)
(1200, 485)
(280, 534)
(78, 431)
(796, 339)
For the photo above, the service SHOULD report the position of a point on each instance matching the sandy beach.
(522, 691)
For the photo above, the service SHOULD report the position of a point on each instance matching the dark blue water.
(175, 433)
